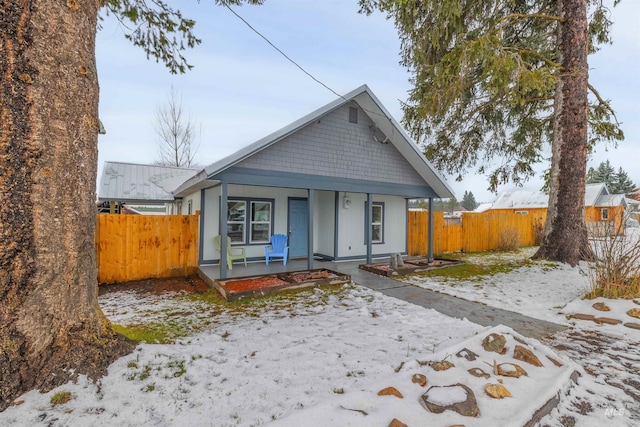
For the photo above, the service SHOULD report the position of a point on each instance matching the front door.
(298, 228)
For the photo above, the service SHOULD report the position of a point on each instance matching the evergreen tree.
(504, 78)
(617, 182)
(469, 201)
(622, 183)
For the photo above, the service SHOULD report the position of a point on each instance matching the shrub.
(616, 271)
(508, 239)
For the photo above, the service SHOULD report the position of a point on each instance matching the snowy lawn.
(246, 363)
(511, 281)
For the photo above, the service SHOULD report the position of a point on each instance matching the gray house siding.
(334, 147)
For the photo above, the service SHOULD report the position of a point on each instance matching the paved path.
(449, 305)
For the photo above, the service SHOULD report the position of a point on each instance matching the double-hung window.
(377, 220)
(236, 219)
(249, 221)
(260, 222)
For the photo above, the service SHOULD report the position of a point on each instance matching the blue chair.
(277, 248)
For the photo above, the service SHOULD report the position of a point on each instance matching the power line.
(283, 54)
(299, 66)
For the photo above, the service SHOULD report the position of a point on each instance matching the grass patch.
(152, 333)
(472, 272)
(61, 397)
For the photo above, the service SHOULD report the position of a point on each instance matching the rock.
(634, 312)
(600, 306)
(467, 354)
(419, 379)
(607, 320)
(632, 325)
(494, 342)
(456, 397)
(390, 391)
(497, 391)
(510, 370)
(477, 372)
(396, 423)
(554, 361)
(635, 301)
(442, 365)
(581, 316)
(526, 355)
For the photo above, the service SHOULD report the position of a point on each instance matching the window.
(377, 215)
(190, 207)
(377, 222)
(236, 219)
(604, 213)
(257, 221)
(260, 222)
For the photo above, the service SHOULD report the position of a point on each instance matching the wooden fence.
(134, 247)
(475, 232)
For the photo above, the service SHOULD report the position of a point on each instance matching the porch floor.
(445, 304)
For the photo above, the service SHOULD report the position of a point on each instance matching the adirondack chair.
(277, 248)
(240, 252)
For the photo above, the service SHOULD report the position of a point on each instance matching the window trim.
(246, 232)
(382, 227)
(604, 214)
(252, 222)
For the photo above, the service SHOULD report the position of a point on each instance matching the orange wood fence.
(474, 232)
(134, 247)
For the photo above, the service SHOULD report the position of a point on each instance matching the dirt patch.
(190, 284)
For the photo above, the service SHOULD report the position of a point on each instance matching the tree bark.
(565, 236)
(52, 326)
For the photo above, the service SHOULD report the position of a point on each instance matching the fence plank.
(135, 247)
(475, 232)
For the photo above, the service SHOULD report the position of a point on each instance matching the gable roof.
(596, 195)
(130, 182)
(374, 110)
(593, 192)
(521, 198)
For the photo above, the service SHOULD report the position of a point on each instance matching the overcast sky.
(241, 89)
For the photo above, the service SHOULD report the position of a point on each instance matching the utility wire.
(300, 67)
(283, 54)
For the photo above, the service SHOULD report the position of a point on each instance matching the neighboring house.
(147, 185)
(336, 181)
(603, 211)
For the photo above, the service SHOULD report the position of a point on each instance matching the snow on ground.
(304, 357)
(538, 289)
(254, 363)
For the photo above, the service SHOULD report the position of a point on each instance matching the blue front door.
(298, 228)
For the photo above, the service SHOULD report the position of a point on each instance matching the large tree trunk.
(565, 236)
(52, 327)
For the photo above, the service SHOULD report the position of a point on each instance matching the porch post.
(430, 240)
(224, 212)
(368, 220)
(311, 193)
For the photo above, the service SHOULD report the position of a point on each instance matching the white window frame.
(380, 223)
(243, 222)
(604, 214)
(252, 222)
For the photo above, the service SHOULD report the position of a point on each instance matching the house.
(337, 182)
(135, 184)
(603, 211)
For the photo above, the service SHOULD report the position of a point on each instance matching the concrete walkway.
(449, 305)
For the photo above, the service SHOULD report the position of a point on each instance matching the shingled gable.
(322, 143)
